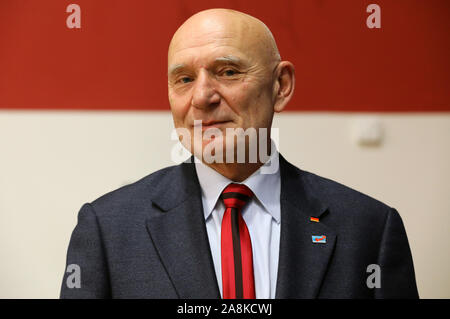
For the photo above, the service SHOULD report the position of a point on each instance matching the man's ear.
(284, 86)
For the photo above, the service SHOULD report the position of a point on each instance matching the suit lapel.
(302, 263)
(178, 232)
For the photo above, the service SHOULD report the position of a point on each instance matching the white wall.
(53, 162)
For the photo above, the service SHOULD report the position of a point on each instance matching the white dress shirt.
(262, 216)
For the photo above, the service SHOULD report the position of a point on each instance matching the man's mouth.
(211, 124)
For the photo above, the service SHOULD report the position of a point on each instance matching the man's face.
(217, 74)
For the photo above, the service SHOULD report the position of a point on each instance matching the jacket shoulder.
(345, 205)
(136, 195)
(341, 196)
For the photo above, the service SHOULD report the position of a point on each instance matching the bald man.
(236, 220)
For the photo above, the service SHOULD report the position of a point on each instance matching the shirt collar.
(265, 183)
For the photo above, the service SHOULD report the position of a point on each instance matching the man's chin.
(212, 150)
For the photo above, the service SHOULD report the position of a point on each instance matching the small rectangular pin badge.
(319, 239)
(314, 219)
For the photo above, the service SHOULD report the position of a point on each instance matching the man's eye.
(229, 72)
(185, 79)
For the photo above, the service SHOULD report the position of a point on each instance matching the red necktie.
(236, 247)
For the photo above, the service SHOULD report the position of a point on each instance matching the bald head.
(225, 27)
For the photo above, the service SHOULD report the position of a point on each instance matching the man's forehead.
(222, 42)
(211, 48)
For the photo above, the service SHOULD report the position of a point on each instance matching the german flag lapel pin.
(314, 219)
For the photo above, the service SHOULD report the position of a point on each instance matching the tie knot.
(236, 195)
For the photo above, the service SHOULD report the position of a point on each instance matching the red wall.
(117, 60)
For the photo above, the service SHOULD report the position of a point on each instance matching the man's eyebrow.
(175, 67)
(229, 58)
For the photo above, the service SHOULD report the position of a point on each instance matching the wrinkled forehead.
(211, 39)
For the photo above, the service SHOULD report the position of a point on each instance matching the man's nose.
(204, 94)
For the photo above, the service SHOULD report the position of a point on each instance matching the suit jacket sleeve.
(395, 261)
(86, 251)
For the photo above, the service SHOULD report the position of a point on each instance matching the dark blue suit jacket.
(149, 240)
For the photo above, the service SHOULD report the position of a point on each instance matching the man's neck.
(237, 172)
